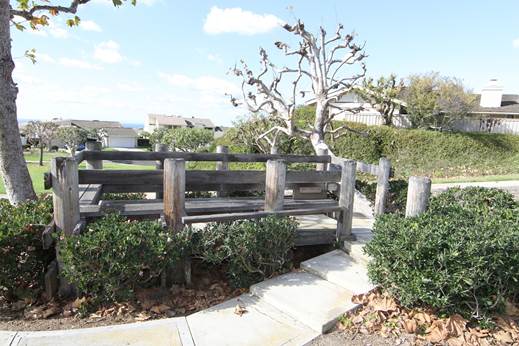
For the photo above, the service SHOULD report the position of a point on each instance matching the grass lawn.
(36, 171)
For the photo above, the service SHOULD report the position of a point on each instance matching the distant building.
(493, 103)
(160, 121)
(117, 136)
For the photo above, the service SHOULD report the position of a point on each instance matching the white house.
(160, 121)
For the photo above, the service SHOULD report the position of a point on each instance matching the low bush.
(397, 193)
(22, 258)
(115, 256)
(462, 255)
(252, 250)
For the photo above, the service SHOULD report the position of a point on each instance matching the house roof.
(509, 105)
(120, 132)
(177, 120)
(90, 124)
(341, 91)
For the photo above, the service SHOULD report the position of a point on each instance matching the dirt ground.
(342, 338)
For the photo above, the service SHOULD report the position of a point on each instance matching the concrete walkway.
(290, 309)
(511, 186)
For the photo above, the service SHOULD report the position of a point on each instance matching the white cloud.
(90, 25)
(42, 57)
(207, 84)
(215, 58)
(57, 31)
(225, 20)
(130, 86)
(108, 52)
(515, 43)
(77, 63)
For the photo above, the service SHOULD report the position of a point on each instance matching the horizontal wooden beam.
(256, 215)
(196, 206)
(153, 156)
(200, 177)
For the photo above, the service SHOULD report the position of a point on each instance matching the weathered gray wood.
(381, 196)
(197, 206)
(47, 237)
(315, 237)
(80, 156)
(174, 193)
(47, 180)
(90, 193)
(159, 164)
(362, 167)
(322, 166)
(94, 147)
(201, 177)
(222, 166)
(346, 195)
(275, 185)
(51, 280)
(256, 215)
(152, 156)
(65, 194)
(418, 193)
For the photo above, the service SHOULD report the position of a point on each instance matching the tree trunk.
(13, 168)
(317, 136)
(41, 155)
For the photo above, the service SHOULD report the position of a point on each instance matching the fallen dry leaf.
(455, 325)
(511, 309)
(76, 304)
(240, 310)
(503, 337)
(384, 304)
(142, 316)
(422, 318)
(159, 309)
(53, 310)
(436, 332)
(410, 326)
(457, 341)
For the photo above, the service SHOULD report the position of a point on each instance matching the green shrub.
(130, 196)
(22, 258)
(114, 256)
(252, 249)
(462, 255)
(397, 193)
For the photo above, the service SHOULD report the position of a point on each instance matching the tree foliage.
(184, 138)
(383, 95)
(436, 101)
(72, 137)
(41, 133)
(321, 65)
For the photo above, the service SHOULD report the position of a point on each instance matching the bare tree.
(13, 168)
(383, 95)
(321, 66)
(41, 133)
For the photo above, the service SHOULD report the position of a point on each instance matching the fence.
(78, 192)
(472, 124)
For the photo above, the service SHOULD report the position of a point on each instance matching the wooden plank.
(222, 166)
(90, 193)
(196, 206)
(362, 167)
(382, 192)
(315, 237)
(346, 196)
(194, 177)
(418, 194)
(79, 157)
(65, 194)
(256, 215)
(159, 165)
(275, 178)
(174, 193)
(152, 156)
(94, 147)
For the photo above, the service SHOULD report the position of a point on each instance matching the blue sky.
(172, 57)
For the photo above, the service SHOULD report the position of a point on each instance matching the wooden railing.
(78, 192)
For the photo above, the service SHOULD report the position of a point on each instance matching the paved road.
(511, 186)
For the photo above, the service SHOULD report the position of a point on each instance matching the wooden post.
(383, 174)
(174, 193)
(160, 164)
(275, 185)
(418, 193)
(222, 166)
(346, 196)
(65, 194)
(321, 166)
(94, 164)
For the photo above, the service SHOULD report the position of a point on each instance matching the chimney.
(491, 94)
